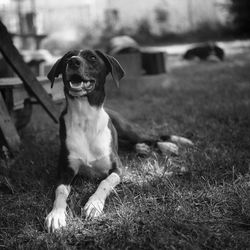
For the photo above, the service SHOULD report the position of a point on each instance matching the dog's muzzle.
(81, 88)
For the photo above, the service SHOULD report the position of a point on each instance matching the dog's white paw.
(55, 220)
(168, 148)
(93, 208)
(142, 148)
(181, 140)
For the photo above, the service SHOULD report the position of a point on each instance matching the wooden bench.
(8, 132)
(15, 94)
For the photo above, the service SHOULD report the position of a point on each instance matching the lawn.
(197, 200)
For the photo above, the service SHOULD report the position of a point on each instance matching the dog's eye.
(92, 58)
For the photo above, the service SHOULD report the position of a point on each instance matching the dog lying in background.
(89, 134)
(204, 51)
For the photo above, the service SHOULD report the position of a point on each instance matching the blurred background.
(59, 25)
(44, 30)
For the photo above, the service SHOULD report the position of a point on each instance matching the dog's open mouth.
(79, 86)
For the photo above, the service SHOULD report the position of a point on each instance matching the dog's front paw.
(93, 208)
(55, 220)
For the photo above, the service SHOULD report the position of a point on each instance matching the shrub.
(240, 10)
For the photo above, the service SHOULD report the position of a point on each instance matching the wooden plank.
(31, 84)
(19, 94)
(7, 128)
(12, 82)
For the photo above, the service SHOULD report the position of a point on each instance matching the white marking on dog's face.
(88, 136)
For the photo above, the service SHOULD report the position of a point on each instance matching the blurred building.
(178, 16)
(53, 15)
(50, 16)
(87, 20)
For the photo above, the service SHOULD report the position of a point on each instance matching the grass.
(205, 207)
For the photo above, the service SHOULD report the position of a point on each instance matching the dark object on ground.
(153, 63)
(204, 51)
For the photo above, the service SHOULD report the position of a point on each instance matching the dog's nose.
(74, 62)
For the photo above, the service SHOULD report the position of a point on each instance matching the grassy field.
(158, 205)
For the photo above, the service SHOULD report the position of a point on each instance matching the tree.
(240, 10)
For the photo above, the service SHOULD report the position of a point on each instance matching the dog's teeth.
(74, 86)
(87, 84)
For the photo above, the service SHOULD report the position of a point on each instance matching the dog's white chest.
(88, 137)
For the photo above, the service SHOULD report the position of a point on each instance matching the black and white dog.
(89, 142)
(204, 51)
(89, 134)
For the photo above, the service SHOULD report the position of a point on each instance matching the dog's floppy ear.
(58, 67)
(114, 66)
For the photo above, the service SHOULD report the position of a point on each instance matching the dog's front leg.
(95, 204)
(57, 217)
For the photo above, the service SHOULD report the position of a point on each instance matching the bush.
(240, 10)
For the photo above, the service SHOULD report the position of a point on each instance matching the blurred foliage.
(162, 15)
(240, 10)
(204, 31)
(144, 32)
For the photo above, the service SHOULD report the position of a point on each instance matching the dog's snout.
(74, 62)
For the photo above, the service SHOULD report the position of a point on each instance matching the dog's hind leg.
(130, 135)
(129, 132)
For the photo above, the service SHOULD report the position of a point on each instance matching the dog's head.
(84, 72)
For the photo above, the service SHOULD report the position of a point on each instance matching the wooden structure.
(8, 132)
(37, 38)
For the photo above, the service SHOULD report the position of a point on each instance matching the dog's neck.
(80, 112)
(81, 107)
